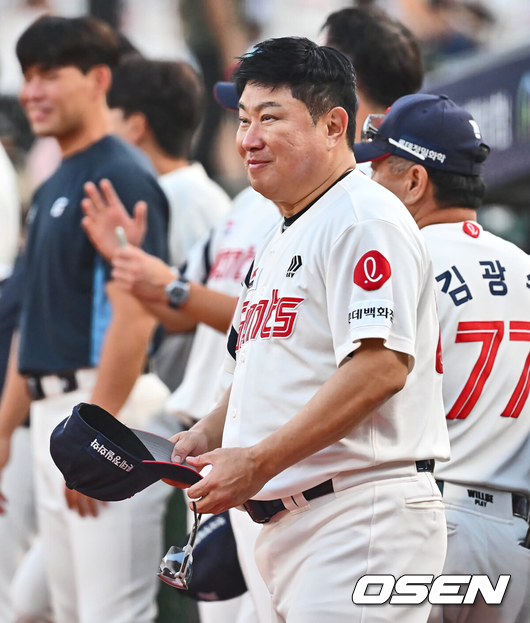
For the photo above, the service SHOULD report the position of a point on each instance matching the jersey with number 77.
(483, 292)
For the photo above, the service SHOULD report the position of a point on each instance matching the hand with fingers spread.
(141, 274)
(82, 504)
(233, 479)
(104, 211)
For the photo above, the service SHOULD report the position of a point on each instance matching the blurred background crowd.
(475, 51)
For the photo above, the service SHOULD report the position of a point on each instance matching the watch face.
(177, 292)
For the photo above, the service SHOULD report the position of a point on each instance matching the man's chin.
(42, 130)
(261, 185)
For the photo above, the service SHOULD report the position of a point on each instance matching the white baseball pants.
(485, 538)
(104, 568)
(311, 558)
(18, 529)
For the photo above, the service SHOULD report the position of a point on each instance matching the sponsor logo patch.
(372, 271)
(371, 313)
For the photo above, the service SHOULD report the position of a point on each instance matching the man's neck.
(447, 215)
(162, 161)
(98, 127)
(290, 209)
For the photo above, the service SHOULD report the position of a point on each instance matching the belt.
(520, 503)
(46, 385)
(262, 511)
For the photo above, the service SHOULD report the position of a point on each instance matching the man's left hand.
(233, 479)
(104, 211)
(82, 504)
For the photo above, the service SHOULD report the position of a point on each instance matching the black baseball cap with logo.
(427, 129)
(106, 460)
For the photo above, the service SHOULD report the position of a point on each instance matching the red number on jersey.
(490, 334)
(519, 332)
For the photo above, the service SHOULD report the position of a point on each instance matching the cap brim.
(174, 474)
(373, 150)
(179, 475)
(226, 95)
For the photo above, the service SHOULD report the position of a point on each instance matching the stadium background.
(475, 51)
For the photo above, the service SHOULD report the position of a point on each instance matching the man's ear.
(336, 125)
(102, 78)
(417, 184)
(137, 127)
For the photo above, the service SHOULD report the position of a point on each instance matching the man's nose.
(253, 138)
(31, 89)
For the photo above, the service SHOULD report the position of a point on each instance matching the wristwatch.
(178, 292)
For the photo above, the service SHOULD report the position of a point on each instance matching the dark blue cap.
(104, 459)
(226, 95)
(427, 129)
(217, 574)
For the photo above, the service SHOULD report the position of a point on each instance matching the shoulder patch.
(372, 271)
(471, 229)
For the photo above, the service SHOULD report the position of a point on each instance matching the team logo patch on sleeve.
(471, 229)
(372, 271)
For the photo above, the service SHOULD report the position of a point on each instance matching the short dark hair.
(82, 42)
(168, 93)
(384, 53)
(454, 189)
(318, 76)
(449, 189)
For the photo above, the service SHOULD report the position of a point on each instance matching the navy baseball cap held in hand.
(427, 129)
(104, 459)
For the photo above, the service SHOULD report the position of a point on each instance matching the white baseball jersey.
(196, 205)
(222, 263)
(352, 266)
(483, 291)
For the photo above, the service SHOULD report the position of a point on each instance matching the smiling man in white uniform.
(335, 413)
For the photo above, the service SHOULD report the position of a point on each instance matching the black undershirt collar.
(288, 221)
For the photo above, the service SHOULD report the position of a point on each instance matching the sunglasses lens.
(371, 127)
(175, 568)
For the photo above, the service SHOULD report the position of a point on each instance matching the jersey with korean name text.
(353, 266)
(483, 291)
(222, 262)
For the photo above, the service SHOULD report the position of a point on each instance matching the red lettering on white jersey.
(471, 229)
(372, 271)
(268, 318)
(232, 264)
